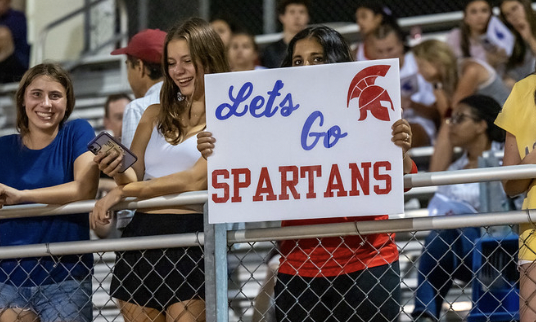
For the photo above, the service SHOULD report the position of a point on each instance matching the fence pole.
(217, 307)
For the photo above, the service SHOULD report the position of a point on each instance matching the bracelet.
(438, 85)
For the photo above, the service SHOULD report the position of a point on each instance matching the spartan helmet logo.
(371, 97)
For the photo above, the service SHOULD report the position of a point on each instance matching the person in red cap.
(144, 70)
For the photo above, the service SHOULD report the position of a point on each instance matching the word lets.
(233, 181)
(257, 107)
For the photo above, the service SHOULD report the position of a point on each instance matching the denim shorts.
(67, 301)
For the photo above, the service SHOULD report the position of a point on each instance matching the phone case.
(105, 142)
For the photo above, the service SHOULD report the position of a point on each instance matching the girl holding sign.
(335, 278)
(166, 283)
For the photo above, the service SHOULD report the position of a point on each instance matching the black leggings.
(369, 295)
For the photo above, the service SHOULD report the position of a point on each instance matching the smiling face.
(182, 69)
(307, 52)
(514, 12)
(45, 103)
(477, 15)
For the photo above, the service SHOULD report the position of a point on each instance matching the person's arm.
(514, 187)
(473, 74)
(193, 179)
(83, 187)
(110, 164)
(401, 136)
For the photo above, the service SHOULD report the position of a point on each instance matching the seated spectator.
(519, 17)
(454, 80)
(447, 253)
(468, 39)
(389, 41)
(14, 48)
(369, 15)
(243, 52)
(294, 16)
(47, 162)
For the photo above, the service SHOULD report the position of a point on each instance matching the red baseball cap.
(147, 45)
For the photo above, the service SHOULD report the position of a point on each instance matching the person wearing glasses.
(447, 253)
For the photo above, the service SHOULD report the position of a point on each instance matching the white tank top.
(163, 158)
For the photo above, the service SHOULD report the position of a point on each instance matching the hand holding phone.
(107, 144)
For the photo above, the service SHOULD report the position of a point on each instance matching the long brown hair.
(520, 47)
(465, 30)
(52, 70)
(440, 55)
(207, 52)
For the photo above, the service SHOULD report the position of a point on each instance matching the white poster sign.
(308, 142)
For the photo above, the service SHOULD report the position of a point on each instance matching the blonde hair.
(207, 52)
(442, 57)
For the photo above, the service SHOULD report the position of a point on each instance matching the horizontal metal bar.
(34, 210)
(469, 175)
(272, 234)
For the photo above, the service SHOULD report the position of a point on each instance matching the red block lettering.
(364, 180)
(385, 177)
(309, 172)
(335, 183)
(289, 184)
(237, 184)
(264, 186)
(220, 185)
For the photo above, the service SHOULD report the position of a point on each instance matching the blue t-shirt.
(16, 22)
(22, 168)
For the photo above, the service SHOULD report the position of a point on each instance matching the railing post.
(217, 308)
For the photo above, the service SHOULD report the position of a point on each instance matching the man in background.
(294, 16)
(145, 76)
(113, 113)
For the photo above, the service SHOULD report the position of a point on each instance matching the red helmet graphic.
(371, 97)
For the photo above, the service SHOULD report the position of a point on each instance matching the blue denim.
(447, 254)
(67, 301)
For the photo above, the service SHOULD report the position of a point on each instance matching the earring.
(180, 97)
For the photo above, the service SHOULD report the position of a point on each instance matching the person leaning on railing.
(166, 283)
(340, 279)
(47, 162)
(518, 118)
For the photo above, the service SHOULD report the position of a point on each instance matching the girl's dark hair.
(336, 50)
(520, 47)
(58, 74)
(378, 9)
(486, 108)
(465, 44)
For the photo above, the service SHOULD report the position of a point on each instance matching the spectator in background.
(520, 18)
(113, 113)
(454, 80)
(369, 15)
(448, 253)
(243, 52)
(144, 59)
(468, 39)
(224, 28)
(166, 284)
(294, 16)
(389, 41)
(47, 162)
(14, 48)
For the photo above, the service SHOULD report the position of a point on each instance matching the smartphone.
(106, 143)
